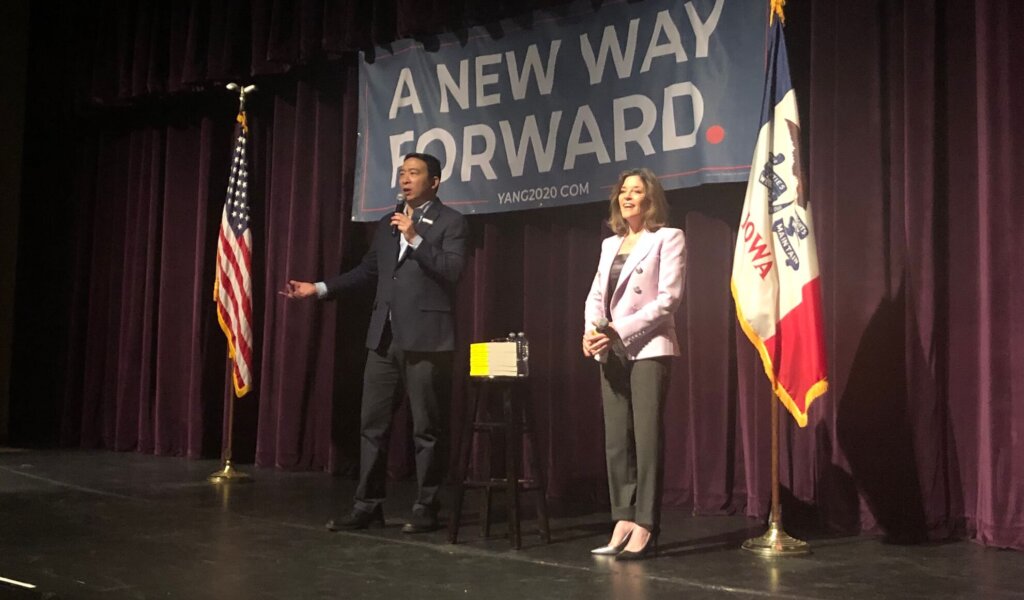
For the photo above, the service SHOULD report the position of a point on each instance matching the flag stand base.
(776, 542)
(229, 473)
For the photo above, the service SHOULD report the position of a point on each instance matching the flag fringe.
(819, 387)
(776, 9)
(240, 390)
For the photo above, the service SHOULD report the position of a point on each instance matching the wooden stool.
(515, 423)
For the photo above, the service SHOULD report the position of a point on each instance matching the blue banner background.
(458, 101)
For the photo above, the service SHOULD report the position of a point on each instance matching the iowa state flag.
(775, 280)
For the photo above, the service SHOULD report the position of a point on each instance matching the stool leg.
(512, 457)
(485, 513)
(465, 447)
(538, 472)
(542, 516)
(485, 457)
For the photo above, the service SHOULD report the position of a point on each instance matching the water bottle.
(522, 354)
(519, 353)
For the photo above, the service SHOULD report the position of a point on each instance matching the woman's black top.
(613, 281)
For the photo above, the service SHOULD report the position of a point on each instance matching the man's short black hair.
(433, 165)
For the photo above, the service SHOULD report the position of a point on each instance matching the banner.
(775, 280)
(550, 112)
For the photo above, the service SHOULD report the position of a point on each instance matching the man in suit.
(415, 260)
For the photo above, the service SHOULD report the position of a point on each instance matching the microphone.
(617, 347)
(399, 207)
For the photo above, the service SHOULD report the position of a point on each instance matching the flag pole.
(775, 541)
(228, 472)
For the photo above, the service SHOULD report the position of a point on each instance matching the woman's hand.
(594, 343)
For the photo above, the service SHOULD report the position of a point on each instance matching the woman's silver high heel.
(649, 549)
(612, 550)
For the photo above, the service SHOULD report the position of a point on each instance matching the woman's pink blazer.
(646, 297)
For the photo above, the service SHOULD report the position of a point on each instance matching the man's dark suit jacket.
(418, 290)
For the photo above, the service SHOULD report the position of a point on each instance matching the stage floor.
(82, 525)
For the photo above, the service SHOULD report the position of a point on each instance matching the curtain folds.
(911, 113)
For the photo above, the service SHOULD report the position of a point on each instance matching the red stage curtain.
(911, 113)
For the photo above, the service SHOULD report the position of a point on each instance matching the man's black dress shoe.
(422, 521)
(358, 519)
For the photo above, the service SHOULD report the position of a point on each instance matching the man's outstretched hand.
(298, 289)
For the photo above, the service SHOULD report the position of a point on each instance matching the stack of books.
(493, 359)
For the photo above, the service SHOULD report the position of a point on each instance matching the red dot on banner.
(715, 134)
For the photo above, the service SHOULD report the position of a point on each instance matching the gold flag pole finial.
(243, 91)
(776, 9)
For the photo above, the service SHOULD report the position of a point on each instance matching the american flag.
(232, 290)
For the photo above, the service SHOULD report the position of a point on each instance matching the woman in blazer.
(630, 328)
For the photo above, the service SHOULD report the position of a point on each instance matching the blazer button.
(639, 270)
(394, 276)
(637, 289)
